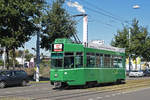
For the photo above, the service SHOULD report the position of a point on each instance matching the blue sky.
(101, 26)
(104, 27)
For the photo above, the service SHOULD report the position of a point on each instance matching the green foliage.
(11, 62)
(121, 40)
(28, 55)
(45, 63)
(146, 50)
(19, 53)
(139, 42)
(17, 21)
(139, 36)
(57, 23)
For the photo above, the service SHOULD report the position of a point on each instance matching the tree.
(19, 53)
(121, 40)
(24, 54)
(146, 50)
(28, 55)
(57, 23)
(139, 40)
(17, 22)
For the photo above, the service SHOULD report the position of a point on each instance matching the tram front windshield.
(60, 61)
(56, 60)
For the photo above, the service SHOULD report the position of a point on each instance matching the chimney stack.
(85, 30)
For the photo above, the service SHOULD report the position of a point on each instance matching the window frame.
(90, 56)
(81, 55)
(70, 54)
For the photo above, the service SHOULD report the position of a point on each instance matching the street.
(44, 91)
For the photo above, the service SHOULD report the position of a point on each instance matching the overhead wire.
(103, 12)
(77, 40)
(99, 11)
(97, 20)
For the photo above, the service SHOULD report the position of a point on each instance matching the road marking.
(136, 90)
(8, 92)
(18, 91)
(90, 99)
(107, 96)
(113, 94)
(27, 90)
(118, 93)
(124, 92)
(99, 97)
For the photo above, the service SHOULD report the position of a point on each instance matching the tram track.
(74, 95)
(57, 94)
(89, 92)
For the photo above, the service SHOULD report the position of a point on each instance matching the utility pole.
(129, 48)
(23, 60)
(37, 56)
(4, 57)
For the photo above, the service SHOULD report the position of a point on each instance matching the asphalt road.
(45, 91)
(141, 94)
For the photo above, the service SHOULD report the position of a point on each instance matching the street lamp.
(129, 49)
(134, 7)
(37, 56)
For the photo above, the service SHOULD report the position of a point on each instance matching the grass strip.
(33, 82)
(14, 98)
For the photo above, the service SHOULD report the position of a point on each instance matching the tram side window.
(112, 61)
(90, 60)
(69, 60)
(120, 65)
(99, 60)
(79, 59)
(115, 61)
(106, 60)
(118, 62)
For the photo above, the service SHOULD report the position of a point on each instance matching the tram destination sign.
(57, 47)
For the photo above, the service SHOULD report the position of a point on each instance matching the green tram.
(73, 64)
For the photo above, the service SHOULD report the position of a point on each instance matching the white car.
(136, 74)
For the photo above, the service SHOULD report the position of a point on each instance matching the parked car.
(136, 73)
(147, 72)
(13, 77)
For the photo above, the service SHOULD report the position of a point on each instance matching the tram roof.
(105, 47)
(92, 44)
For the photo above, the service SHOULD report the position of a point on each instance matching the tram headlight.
(65, 73)
(56, 75)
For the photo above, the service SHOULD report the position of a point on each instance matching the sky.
(105, 17)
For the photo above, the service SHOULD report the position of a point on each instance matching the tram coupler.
(57, 84)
